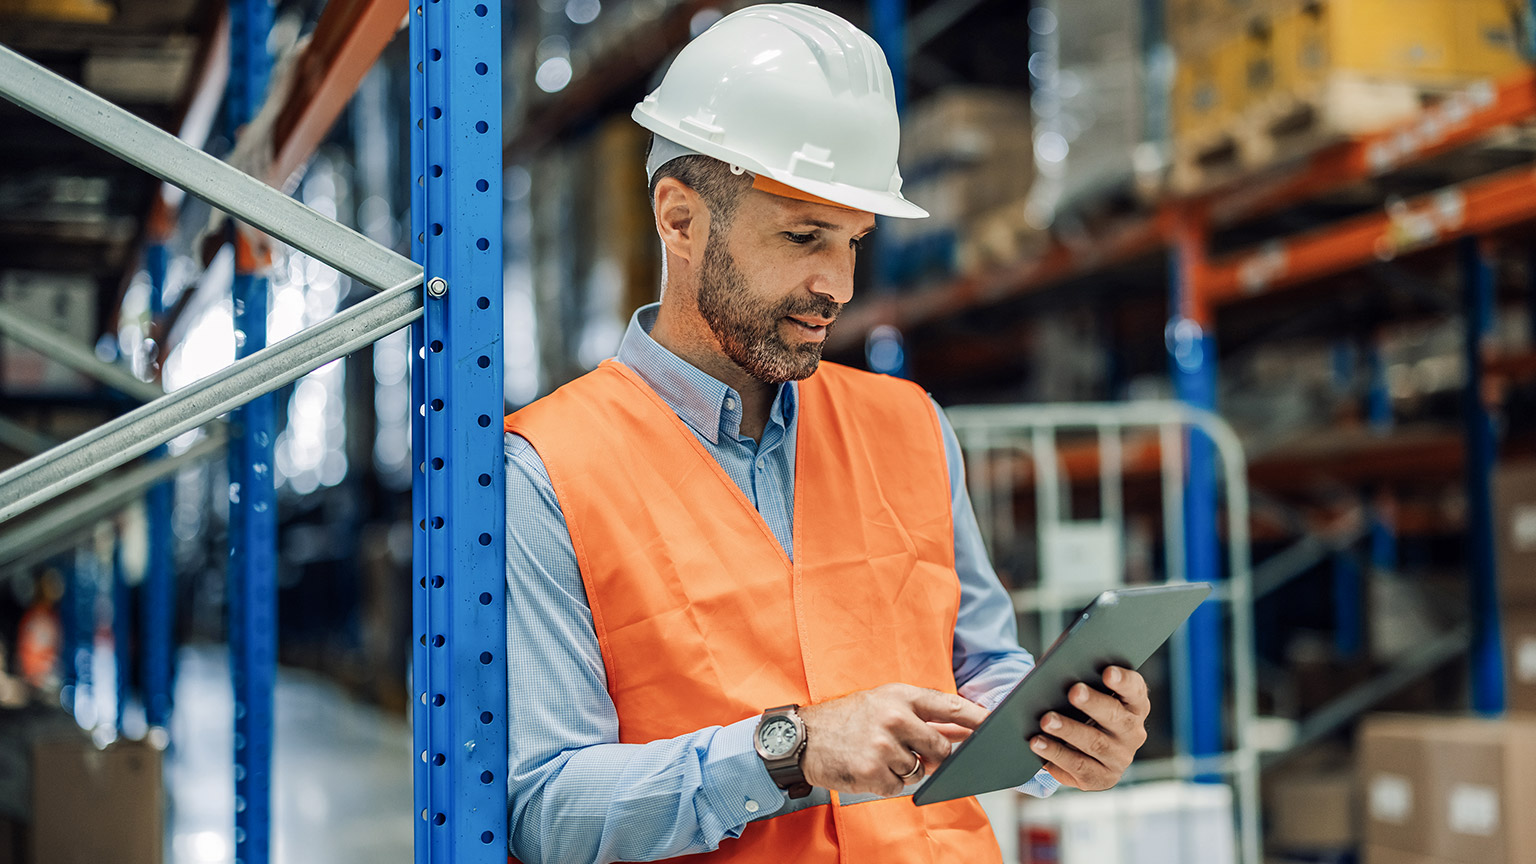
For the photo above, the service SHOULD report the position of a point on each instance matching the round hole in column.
(482, 244)
(483, 302)
(437, 522)
(482, 185)
(437, 170)
(437, 404)
(420, 67)
(483, 361)
(486, 658)
(437, 463)
(486, 777)
(439, 759)
(436, 54)
(422, 525)
(484, 420)
(482, 127)
(423, 581)
(423, 640)
(437, 114)
(485, 539)
(437, 581)
(481, 10)
(485, 479)
(439, 641)
(438, 700)
(437, 229)
(439, 819)
(486, 717)
(481, 68)
(437, 346)
(485, 598)
(486, 837)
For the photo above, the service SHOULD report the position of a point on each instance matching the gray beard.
(747, 329)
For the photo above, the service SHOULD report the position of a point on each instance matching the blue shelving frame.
(459, 662)
(252, 577)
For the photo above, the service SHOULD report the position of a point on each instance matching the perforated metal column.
(157, 598)
(1487, 655)
(252, 496)
(460, 674)
(1192, 350)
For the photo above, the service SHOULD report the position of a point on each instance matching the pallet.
(1289, 127)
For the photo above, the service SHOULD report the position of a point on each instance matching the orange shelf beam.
(1477, 207)
(1461, 119)
(347, 41)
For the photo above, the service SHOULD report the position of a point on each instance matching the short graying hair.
(713, 180)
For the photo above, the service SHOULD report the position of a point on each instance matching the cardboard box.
(1457, 789)
(1391, 754)
(1312, 811)
(1520, 656)
(90, 805)
(1150, 823)
(1514, 514)
(1383, 855)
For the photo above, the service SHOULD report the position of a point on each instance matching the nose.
(834, 280)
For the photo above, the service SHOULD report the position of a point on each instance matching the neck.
(692, 340)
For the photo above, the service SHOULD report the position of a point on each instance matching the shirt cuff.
(735, 780)
(1042, 785)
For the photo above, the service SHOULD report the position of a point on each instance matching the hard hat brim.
(879, 202)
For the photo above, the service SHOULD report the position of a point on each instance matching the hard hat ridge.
(792, 93)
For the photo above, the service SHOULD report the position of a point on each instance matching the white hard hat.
(793, 94)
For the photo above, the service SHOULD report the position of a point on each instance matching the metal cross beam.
(41, 538)
(162, 154)
(96, 120)
(140, 430)
(61, 348)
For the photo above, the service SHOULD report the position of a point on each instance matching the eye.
(798, 239)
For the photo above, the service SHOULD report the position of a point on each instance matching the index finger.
(1130, 687)
(939, 707)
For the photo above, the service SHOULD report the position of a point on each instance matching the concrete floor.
(341, 773)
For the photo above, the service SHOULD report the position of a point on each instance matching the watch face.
(779, 737)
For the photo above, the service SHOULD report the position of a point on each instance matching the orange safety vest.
(703, 620)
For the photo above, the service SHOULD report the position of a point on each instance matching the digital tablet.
(1121, 627)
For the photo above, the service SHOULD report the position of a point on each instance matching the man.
(741, 580)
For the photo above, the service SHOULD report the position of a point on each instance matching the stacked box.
(1090, 105)
(964, 153)
(1310, 804)
(1284, 77)
(96, 805)
(1152, 823)
(1451, 789)
(1514, 507)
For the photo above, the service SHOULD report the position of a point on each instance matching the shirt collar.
(708, 405)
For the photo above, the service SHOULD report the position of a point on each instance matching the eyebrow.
(829, 226)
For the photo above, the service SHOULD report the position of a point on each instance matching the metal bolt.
(437, 286)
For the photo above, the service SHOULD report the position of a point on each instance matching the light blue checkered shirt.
(574, 793)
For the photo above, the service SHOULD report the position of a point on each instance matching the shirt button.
(729, 403)
(751, 806)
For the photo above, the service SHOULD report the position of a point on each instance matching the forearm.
(641, 802)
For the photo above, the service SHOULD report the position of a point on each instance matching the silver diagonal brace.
(135, 433)
(41, 537)
(61, 348)
(162, 154)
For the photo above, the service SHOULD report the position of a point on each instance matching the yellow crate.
(1208, 91)
(1430, 43)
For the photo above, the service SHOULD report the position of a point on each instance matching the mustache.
(818, 307)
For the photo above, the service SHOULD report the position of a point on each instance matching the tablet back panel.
(1121, 627)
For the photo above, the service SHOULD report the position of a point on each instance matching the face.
(772, 290)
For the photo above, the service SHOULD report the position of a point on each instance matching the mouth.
(812, 327)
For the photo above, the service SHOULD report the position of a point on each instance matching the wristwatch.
(780, 741)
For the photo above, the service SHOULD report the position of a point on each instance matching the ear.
(682, 219)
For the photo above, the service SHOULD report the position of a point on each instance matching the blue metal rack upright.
(252, 497)
(1487, 656)
(157, 597)
(460, 673)
(1192, 352)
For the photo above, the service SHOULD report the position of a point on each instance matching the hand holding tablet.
(1121, 628)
